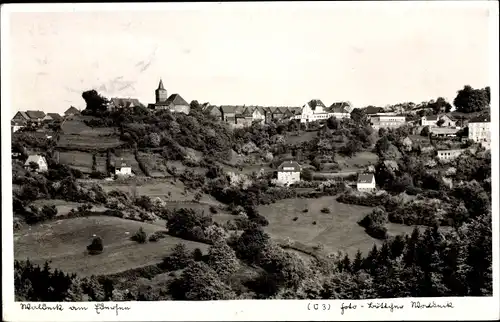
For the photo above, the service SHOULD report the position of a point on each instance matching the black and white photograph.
(250, 151)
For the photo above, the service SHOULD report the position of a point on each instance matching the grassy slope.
(64, 244)
(337, 230)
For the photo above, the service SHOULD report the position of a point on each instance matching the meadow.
(64, 243)
(336, 231)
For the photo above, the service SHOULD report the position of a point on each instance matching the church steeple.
(160, 86)
(161, 93)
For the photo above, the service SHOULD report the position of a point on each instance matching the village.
(437, 126)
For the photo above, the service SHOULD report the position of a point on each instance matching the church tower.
(161, 93)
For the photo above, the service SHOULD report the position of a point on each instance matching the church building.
(175, 103)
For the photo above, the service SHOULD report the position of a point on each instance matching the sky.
(264, 54)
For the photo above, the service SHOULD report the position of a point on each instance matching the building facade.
(122, 168)
(387, 121)
(448, 155)
(174, 103)
(366, 182)
(39, 160)
(289, 172)
(479, 131)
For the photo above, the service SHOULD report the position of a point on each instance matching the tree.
(200, 282)
(251, 242)
(178, 259)
(96, 246)
(307, 175)
(359, 116)
(425, 131)
(195, 105)
(95, 102)
(440, 122)
(140, 236)
(154, 140)
(33, 166)
(440, 106)
(470, 100)
(222, 259)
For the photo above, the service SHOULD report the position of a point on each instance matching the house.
(72, 111)
(447, 155)
(122, 168)
(444, 131)
(116, 103)
(29, 116)
(339, 110)
(387, 121)
(258, 114)
(429, 120)
(289, 172)
(366, 182)
(215, 111)
(435, 120)
(38, 159)
(17, 125)
(479, 130)
(55, 117)
(174, 103)
(314, 110)
(243, 117)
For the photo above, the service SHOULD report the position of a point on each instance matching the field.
(77, 142)
(360, 160)
(158, 188)
(337, 230)
(302, 137)
(79, 160)
(155, 164)
(63, 206)
(64, 243)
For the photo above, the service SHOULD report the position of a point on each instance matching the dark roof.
(480, 119)
(176, 99)
(72, 110)
(366, 178)
(55, 116)
(338, 107)
(160, 85)
(431, 118)
(125, 102)
(373, 110)
(121, 163)
(245, 112)
(229, 108)
(317, 102)
(23, 115)
(35, 114)
(289, 166)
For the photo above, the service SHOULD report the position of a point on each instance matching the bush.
(374, 223)
(314, 222)
(325, 210)
(213, 210)
(140, 236)
(295, 218)
(157, 235)
(178, 259)
(305, 210)
(96, 247)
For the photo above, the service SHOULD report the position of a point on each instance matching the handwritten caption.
(379, 305)
(98, 308)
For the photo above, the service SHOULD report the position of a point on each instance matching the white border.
(464, 308)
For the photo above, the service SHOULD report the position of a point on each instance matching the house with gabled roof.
(289, 172)
(174, 103)
(122, 168)
(55, 116)
(366, 182)
(39, 161)
(72, 111)
(338, 110)
(116, 103)
(314, 110)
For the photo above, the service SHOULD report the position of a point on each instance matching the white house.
(387, 121)
(38, 159)
(366, 182)
(479, 130)
(314, 110)
(123, 169)
(289, 172)
(432, 120)
(448, 155)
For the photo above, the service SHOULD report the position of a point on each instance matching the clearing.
(359, 161)
(337, 230)
(63, 206)
(64, 243)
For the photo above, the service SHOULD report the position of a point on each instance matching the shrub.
(157, 235)
(140, 236)
(178, 259)
(212, 209)
(325, 210)
(314, 222)
(305, 210)
(96, 247)
(295, 218)
(197, 255)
